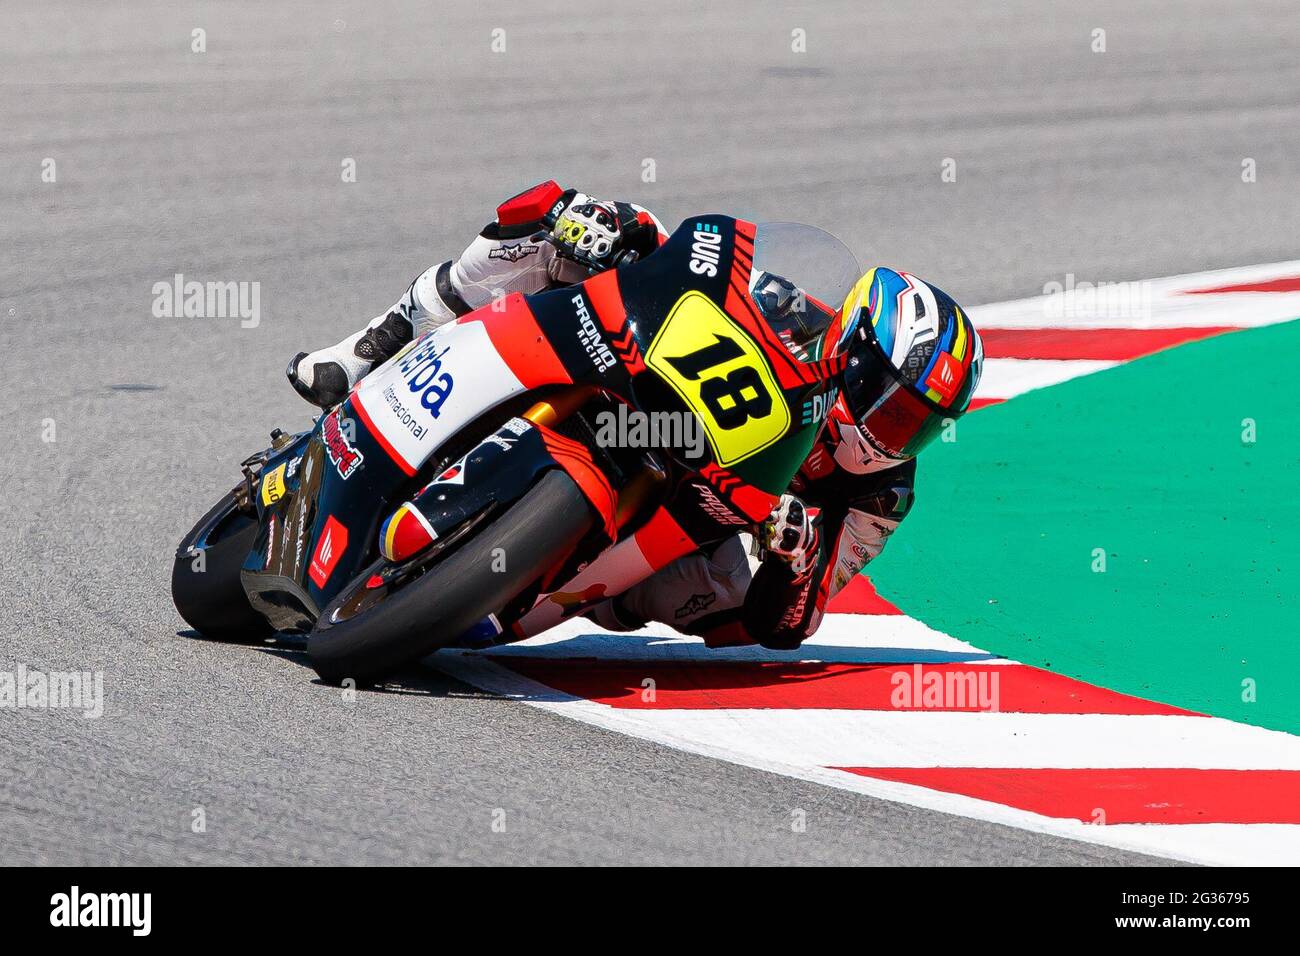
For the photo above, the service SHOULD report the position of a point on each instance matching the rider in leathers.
(849, 495)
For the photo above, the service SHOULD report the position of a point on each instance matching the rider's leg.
(701, 593)
(324, 377)
(496, 263)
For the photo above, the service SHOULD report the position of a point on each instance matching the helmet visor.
(895, 419)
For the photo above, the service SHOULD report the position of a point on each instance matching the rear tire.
(213, 601)
(541, 529)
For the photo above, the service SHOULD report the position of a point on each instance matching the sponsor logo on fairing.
(589, 335)
(270, 542)
(712, 506)
(421, 397)
(817, 408)
(405, 417)
(706, 250)
(273, 486)
(453, 474)
(513, 253)
(333, 542)
(341, 452)
(423, 374)
(818, 463)
(299, 521)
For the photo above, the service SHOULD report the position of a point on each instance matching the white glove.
(791, 534)
(587, 239)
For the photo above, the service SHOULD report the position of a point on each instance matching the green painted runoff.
(1138, 529)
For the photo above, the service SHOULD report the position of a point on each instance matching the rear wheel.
(205, 575)
(475, 580)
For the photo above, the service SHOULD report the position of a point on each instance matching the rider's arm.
(782, 606)
(501, 259)
(504, 257)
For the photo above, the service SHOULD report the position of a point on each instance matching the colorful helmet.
(914, 360)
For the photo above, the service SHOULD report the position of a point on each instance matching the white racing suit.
(713, 593)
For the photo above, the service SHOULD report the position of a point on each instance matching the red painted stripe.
(804, 685)
(1115, 345)
(1142, 795)
(406, 467)
(1290, 284)
(984, 403)
(859, 597)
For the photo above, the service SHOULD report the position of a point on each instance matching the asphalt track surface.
(226, 166)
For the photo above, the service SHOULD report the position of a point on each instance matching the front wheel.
(475, 580)
(206, 587)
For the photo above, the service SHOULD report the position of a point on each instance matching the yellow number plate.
(693, 327)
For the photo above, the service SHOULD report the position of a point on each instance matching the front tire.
(209, 594)
(537, 532)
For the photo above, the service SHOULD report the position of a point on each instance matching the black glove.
(588, 238)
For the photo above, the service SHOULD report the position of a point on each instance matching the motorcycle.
(464, 486)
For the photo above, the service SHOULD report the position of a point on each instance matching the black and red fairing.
(496, 472)
(594, 334)
(597, 332)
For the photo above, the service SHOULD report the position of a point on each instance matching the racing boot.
(326, 376)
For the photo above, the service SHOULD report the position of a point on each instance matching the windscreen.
(810, 258)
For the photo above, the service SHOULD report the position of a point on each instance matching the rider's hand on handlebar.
(791, 534)
(588, 234)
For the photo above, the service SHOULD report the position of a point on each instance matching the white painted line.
(889, 738)
(1234, 844)
(845, 638)
(1179, 843)
(1007, 378)
(1170, 306)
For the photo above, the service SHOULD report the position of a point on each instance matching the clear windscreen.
(810, 258)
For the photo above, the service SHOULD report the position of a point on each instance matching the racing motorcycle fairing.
(322, 515)
(418, 452)
(495, 472)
